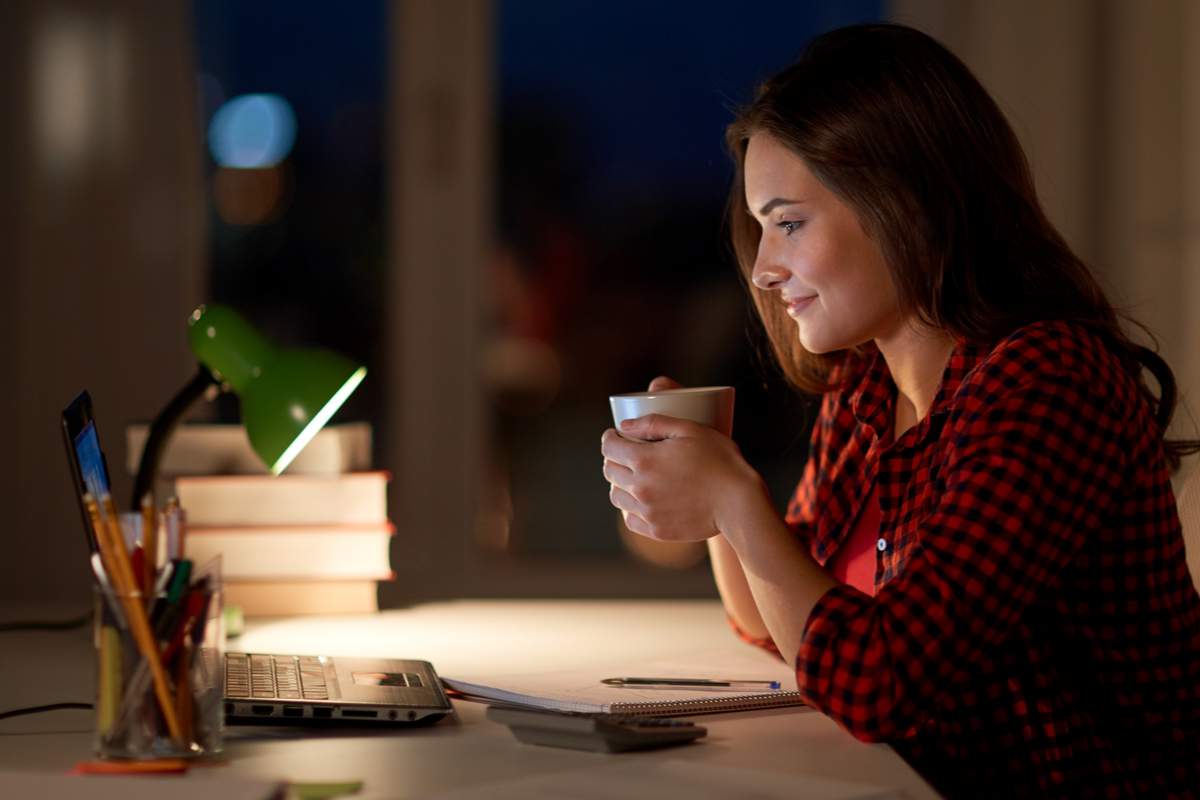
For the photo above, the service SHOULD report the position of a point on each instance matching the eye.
(790, 226)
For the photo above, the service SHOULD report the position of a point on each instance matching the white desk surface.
(462, 637)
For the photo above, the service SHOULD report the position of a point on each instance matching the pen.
(149, 546)
(168, 611)
(137, 562)
(176, 524)
(703, 683)
(196, 601)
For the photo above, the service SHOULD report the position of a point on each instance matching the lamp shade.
(287, 395)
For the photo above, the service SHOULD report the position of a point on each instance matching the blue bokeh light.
(253, 130)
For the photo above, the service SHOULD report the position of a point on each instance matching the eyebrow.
(771, 205)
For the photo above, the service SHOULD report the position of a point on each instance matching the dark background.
(610, 262)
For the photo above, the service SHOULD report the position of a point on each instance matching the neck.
(916, 357)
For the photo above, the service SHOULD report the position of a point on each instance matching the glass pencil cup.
(159, 695)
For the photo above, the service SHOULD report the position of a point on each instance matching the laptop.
(272, 688)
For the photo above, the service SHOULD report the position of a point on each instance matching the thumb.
(663, 382)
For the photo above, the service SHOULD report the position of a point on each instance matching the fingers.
(626, 502)
(617, 448)
(636, 524)
(656, 427)
(663, 382)
(618, 474)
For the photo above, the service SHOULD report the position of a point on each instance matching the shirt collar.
(873, 399)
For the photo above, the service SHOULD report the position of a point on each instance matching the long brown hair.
(898, 127)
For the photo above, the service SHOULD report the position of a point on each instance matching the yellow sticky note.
(322, 790)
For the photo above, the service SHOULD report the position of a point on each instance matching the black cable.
(16, 712)
(46, 625)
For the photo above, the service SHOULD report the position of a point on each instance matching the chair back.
(1189, 516)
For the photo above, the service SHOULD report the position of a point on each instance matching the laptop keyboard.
(266, 677)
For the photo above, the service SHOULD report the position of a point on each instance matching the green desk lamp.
(287, 395)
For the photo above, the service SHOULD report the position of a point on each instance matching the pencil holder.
(160, 667)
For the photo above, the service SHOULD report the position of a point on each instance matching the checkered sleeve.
(1033, 462)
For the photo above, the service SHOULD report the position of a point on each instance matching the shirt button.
(882, 545)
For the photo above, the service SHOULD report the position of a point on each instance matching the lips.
(795, 307)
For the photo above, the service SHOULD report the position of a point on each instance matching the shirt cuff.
(815, 663)
(765, 642)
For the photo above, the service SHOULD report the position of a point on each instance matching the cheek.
(818, 265)
(857, 302)
(862, 273)
(874, 290)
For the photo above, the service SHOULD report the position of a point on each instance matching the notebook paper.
(582, 690)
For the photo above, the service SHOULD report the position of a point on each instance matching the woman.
(982, 564)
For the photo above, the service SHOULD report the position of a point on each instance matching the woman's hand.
(676, 480)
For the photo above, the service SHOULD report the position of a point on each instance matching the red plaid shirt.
(1035, 630)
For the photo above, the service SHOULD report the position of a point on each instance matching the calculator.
(604, 733)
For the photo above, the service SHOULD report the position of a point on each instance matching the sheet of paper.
(583, 690)
(619, 779)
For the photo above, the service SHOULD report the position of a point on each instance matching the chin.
(817, 344)
(821, 339)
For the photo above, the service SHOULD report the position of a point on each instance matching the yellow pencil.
(149, 547)
(100, 532)
(108, 698)
(127, 588)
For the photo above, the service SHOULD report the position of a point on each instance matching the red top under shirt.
(854, 562)
(1034, 629)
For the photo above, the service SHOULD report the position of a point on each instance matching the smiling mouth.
(795, 307)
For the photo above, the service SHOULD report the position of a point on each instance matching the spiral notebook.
(584, 690)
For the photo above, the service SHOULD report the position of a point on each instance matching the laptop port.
(262, 711)
(322, 712)
(293, 711)
(359, 712)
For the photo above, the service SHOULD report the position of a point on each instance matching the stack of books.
(314, 540)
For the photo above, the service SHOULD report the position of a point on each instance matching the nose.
(768, 276)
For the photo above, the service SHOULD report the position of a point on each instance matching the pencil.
(149, 546)
(114, 540)
(108, 698)
(98, 529)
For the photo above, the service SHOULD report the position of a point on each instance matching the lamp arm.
(161, 429)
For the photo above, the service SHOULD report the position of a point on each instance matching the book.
(354, 498)
(301, 551)
(584, 690)
(207, 449)
(281, 598)
(133, 786)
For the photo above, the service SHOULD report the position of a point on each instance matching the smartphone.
(89, 468)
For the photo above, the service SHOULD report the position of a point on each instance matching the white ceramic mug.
(708, 405)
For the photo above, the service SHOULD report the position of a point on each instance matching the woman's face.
(814, 252)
